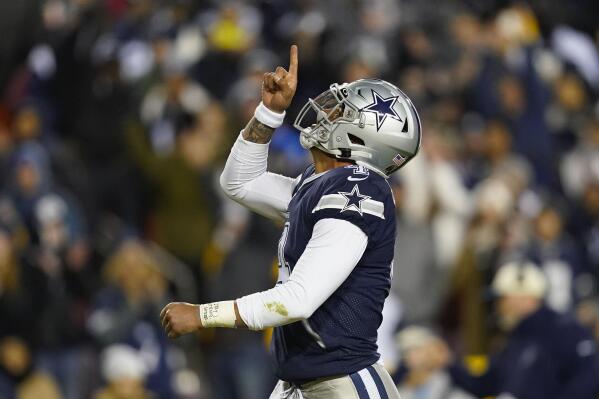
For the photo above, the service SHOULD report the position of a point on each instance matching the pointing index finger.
(293, 60)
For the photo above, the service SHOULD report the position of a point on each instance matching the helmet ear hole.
(345, 153)
(355, 140)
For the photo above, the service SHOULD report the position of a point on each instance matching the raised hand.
(278, 87)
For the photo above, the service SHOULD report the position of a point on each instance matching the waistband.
(303, 383)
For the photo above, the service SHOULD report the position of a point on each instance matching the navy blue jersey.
(340, 337)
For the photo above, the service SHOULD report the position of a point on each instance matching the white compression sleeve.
(332, 253)
(246, 180)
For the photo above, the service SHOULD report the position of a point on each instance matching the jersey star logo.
(353, 200)
(382, 107)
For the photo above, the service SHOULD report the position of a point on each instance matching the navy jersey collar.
(311, 176)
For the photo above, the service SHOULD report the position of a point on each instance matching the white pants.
(373, 382)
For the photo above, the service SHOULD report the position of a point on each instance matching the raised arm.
(245, 178)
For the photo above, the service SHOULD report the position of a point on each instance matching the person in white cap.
(520, 290)
(546, 355)
(125, 372)
(418, 346)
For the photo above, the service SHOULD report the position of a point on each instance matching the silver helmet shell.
(368, 121)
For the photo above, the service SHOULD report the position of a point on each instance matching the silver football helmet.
(369, 121)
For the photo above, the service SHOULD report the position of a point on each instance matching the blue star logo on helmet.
(382, 107)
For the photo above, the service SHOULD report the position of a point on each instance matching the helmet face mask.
(318, 116)
(369, 121)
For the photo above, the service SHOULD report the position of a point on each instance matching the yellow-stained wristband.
(218, 314)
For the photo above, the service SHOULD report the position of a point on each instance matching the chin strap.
(307, 140)
(310, 138)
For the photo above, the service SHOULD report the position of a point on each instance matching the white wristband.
(268, 117)
(218, 314)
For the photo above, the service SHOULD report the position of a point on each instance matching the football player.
(336, 250)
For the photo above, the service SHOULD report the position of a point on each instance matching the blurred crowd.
(116, 117)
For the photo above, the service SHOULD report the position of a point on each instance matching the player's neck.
(324, 162)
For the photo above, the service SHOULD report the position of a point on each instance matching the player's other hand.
(179, 318)
(278, 87)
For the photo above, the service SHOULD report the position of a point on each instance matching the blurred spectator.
(56, 273)
(502, 162)
(588, 315)
(423, 378)
(127, 308)
(135, 289)
(436, 194)
(19, 377)
(586, 227)
(415, 261)
(238, 360)
(568, 114)
(97, 133)
(6, 147)
(233, 27)
(430, 225)
(546, 355)
(21, 292)
(486, 244)
(580, 167)
(559, 258)
(164, 104)
(183, 182)
(125, 372)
